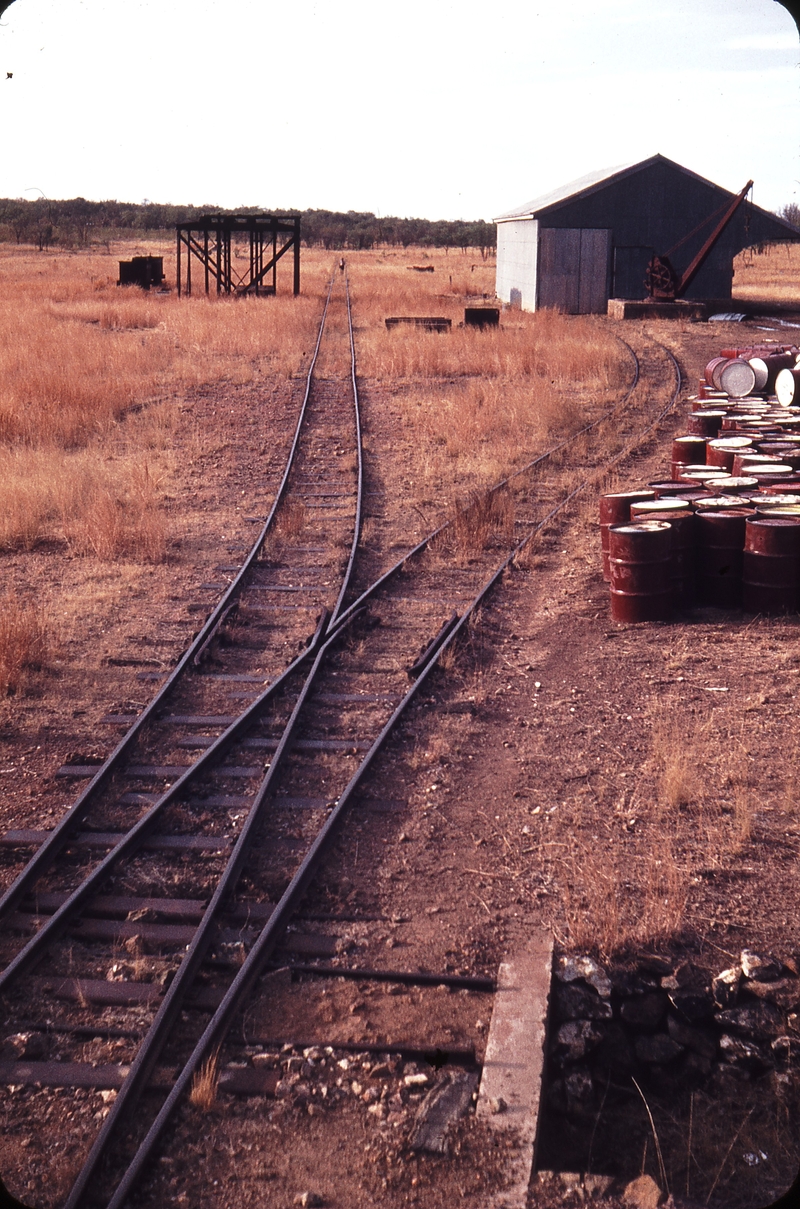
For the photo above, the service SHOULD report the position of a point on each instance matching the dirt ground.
(535, 797)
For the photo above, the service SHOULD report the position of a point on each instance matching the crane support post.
(694, 268)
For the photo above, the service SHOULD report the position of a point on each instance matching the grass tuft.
(23, 643)
(205, 1084)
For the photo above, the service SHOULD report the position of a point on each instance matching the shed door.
(630, 266)
(573, 269)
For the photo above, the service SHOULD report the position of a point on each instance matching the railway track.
(156, 960)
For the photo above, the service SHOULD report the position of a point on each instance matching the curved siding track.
(154, 947)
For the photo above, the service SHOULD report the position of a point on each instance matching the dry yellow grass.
(23, 643)
(205, 1083)
(773, 274)
(108, 509)
(480, 402)
(693, 807)
(478, 519)
(83, 368)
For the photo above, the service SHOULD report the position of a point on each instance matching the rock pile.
(670, 1024)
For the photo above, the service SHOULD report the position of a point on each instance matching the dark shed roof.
(585, 187)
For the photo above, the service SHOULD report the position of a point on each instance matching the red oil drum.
(761, 372)
(743, 462)
(652, 509)
(733, 484)
(720, 551)
(668, 487)
(714, 364)
(781, 451)
(705, 423)
(735, 423)
(787, 387)
(772, 363)
(640, 558)
(771, 497)
(724, 503)
(615, 509)
(688, 450)
(737, 378)
(722, 450)
(695, 498)
(702, 474)
(771, 566)
(684, 569)
(772, 476)
(778, 510)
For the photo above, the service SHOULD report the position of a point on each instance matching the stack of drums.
(724, 529)
(640, 563)
(771, 565)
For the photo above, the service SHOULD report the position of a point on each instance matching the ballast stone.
(657, 1048)
(763, 967)
(725, 986)
(586, 968)
(760, 1020)
(645, 1011)
(575, 1039)
(576, 1002)
(745, 1054)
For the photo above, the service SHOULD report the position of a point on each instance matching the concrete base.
(648, 308)
(511, 1085)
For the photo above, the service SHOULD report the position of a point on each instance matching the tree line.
(79, 223)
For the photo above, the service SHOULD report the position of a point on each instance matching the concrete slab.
(648, 308)
(511, 1084)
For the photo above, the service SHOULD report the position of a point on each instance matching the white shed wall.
(517, 248)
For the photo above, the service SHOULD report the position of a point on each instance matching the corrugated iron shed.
(592, 239)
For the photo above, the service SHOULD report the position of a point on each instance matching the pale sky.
(426, 108)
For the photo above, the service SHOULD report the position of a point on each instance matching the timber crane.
(661, 279)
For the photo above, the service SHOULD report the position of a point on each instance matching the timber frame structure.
(209, 240)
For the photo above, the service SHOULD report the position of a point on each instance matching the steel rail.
(401, 562)
(57, 923)
(258, 958)
(148, 1053)
(144, 1062)
(135, 837)
(59, 837)
(360, 469)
